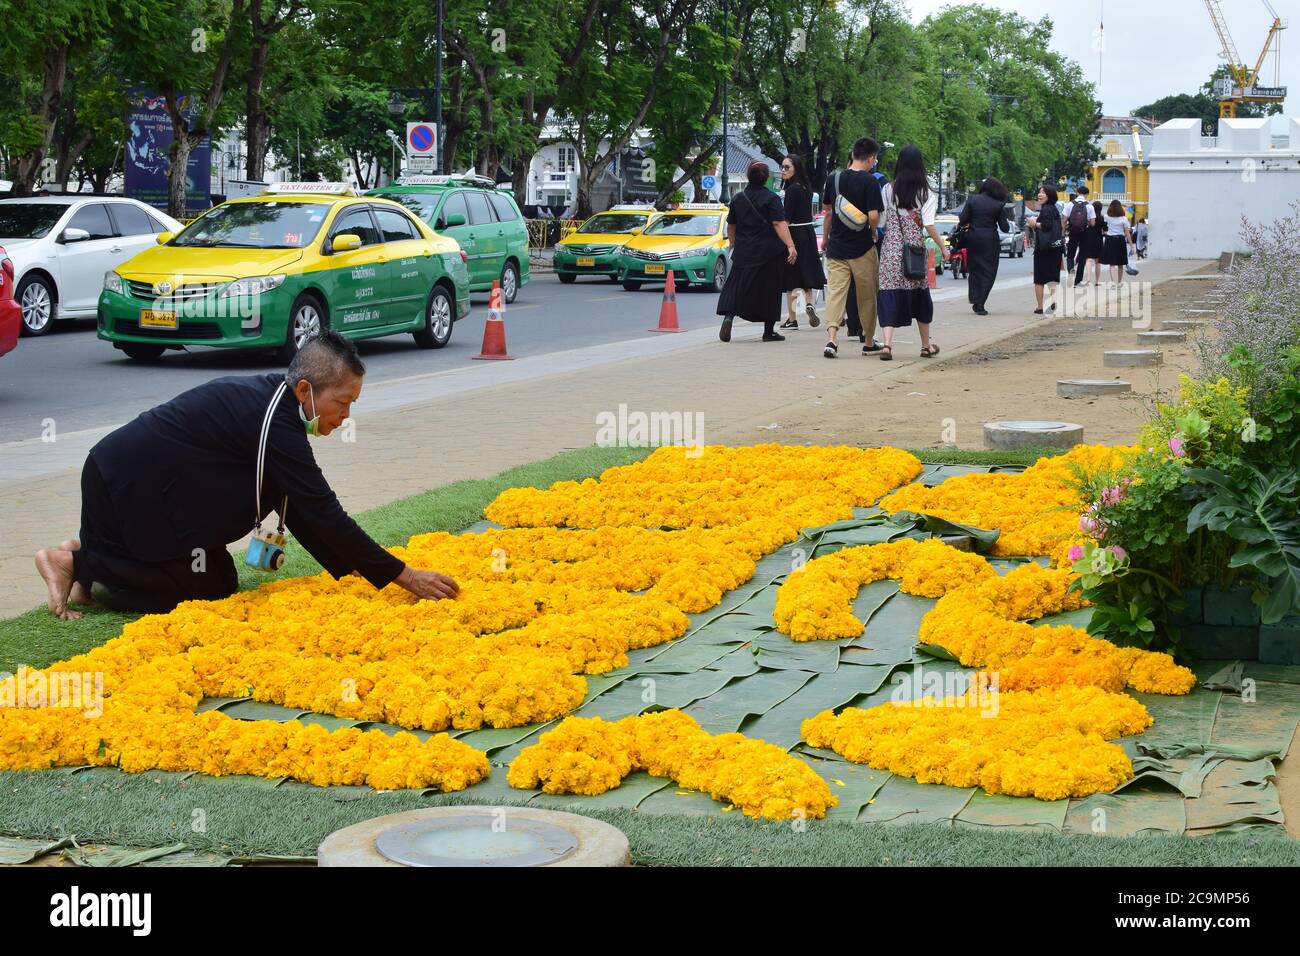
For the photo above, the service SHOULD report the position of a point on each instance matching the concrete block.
(1027, 434)
(1230, 608)
(1088, 387)
(1131, 358)
(1280, 643)
(1221, 643)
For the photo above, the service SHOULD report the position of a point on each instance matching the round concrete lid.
(463, 840)
(477, 836)
(1034, 426)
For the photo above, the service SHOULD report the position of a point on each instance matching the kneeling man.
(162, 496)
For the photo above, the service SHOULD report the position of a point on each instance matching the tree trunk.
(257, 133)
(519, 178)
(54, 74)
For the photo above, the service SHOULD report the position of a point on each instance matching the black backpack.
(1079, 216)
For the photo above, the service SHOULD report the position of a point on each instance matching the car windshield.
(421, 204)
(683, 225)
(256, 225)
(945, 226)
(610, 223)
(28, 220)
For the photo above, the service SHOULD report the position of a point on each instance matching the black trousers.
(128, 584)
(1073, 248)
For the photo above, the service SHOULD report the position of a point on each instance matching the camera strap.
(261, 463)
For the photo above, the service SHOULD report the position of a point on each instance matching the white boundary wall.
(1201, 187)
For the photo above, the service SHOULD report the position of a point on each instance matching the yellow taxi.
(690, 239)
(593, 249)
(269, 271)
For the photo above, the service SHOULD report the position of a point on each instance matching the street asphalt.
(80, 382)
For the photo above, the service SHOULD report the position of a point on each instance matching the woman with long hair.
(1119, 236)
(1049, 249)
(806, 272)
(759, 242)
(985, 215)
(910, 207)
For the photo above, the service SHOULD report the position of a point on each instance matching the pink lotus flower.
(1176, 446)
(1120, 553)
(1075, 553)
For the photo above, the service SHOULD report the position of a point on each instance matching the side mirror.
(165, 237)
(345, 242)
(638, 230)
(72, 234)
(455, 219)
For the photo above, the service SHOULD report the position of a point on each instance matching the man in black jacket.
(162, 496)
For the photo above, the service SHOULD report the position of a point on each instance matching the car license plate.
(586, 260)
(158, 319)
(654, 270)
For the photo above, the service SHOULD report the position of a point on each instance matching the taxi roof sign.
(320, 189)
(631, 207)
(425, 179)
(711, 206)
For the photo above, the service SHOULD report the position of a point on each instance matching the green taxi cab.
(593, 249)
(690, 239)
(269, 271)
(484, 220)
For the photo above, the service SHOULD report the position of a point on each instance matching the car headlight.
(257, 285)
(113, 282)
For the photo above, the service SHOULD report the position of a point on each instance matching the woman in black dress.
(1091, 251)
(986, 214)
(806, 273)
(759, 242)
(1049, 248)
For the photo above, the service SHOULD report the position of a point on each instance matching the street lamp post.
(726, 16)
(437, 89)
(993, 99)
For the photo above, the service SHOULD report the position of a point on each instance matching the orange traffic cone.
(494, 330)
(668, 308)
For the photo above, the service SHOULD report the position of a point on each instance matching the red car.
(11, 313)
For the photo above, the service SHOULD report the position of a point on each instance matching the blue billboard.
(148, 145)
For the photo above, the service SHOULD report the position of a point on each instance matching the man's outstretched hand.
(427, 584)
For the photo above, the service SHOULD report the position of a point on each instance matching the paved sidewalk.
(427, 430)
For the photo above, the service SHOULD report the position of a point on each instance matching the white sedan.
(61, 246)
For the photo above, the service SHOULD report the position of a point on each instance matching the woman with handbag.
(904, 293)
(760, 242)
(1049, 248)
(1119, 236)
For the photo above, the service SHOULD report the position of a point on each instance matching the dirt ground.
(945, 402)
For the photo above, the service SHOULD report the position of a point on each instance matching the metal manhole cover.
(476, 841)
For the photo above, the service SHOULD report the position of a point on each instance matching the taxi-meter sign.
(421, 147)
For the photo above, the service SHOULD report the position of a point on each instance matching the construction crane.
(1242, 86)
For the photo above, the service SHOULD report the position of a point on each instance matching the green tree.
(1202, 105)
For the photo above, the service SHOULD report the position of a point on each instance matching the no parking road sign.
(421, 147)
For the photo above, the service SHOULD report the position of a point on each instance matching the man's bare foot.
(72, 544)
(55, 566)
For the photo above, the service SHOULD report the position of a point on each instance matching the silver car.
(1013, 242)
(61, 246)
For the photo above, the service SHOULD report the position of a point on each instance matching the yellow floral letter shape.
(539, 608)
(1058, 692)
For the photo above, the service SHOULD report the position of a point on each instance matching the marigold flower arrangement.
(591, 756)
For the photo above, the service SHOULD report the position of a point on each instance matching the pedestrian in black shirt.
(985, 215)
(806, 273)
(851, 246)
(162, 496)
(760, 243)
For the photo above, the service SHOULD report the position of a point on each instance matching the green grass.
(990, 459)
(244, 819)
(37, 639)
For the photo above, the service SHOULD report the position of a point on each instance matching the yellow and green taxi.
(593, 249)
(268, 271)
(690, 239)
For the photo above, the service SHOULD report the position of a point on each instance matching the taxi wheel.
(437, 320)
(142, 352)
(509, 282)
(566, 277)
(306, 318)
(631, 286)
(719, 274)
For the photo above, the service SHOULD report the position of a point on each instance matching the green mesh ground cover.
(1205, 766)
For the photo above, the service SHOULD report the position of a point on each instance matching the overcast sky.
(1154, 48)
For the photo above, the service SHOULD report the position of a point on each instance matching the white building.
(1202, 186)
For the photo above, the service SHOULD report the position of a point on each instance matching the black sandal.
(930, 351)
(886, 353)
